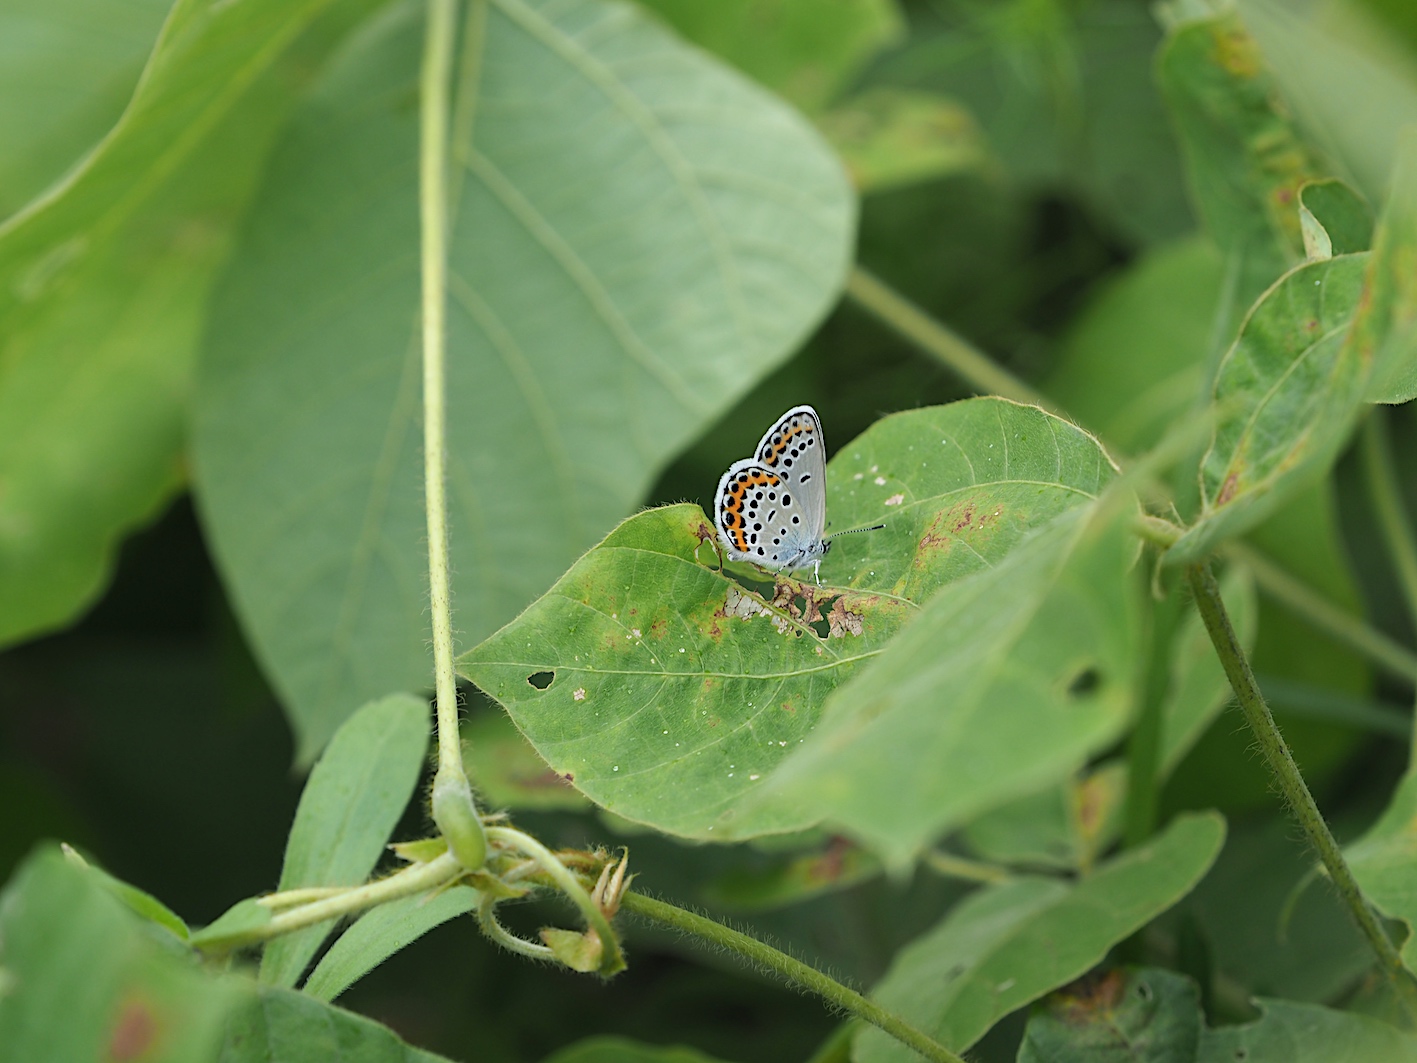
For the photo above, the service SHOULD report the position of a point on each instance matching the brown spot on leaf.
(789, 708)
(1228, 489)
(135, 1031)
(842, 621)
(658, 628)
(1092, 995)
(831, 864)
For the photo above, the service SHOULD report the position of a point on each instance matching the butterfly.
(771, 509)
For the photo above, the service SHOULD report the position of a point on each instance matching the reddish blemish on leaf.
(831, 865)
(1228, 489)
(789, 708)
(135, 1031)
(658, 628)
(1090, 996)
(542, 780)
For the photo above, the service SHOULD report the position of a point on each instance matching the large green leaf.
(282, 1026)
(103, 284)
(1140, 1016)
(893, 137)
(1287, 1032)
(1244, 158)
(86, 979)
(351, 802)
(1384, 861)
(1350, 91)
(1284, 398)
(640, 234)
(1344, 216)
(1386, 326)
(1006, 682)
(1009, 944)
(666, 691)
(381, 932)
(67, 67)
(803, 49)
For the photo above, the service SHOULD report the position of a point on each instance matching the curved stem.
(1304, 601)
(453, 809)
(1291, 783)
(570, 885)
(956, 353)
(793, 970)
(951, 866)
(487, 919)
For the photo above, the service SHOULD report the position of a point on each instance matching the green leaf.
(103, 283)
(1287, 1032)
(1284, 398)
(838, 865)
(1344, 215)
(1137, 1016)
(593, 673)
(88, 980)
(891, 137)
(1244, 159)
(1384, 861)
(1386, 326)
(351, 803)
(802, 49)
(283, 1026)
(591, 335)
(624, 1050)
(506, 770)
(1170, 296)
(1006, 945)
(67, 67)
(381, 932)
(139, 901)
(1351, 93)
(1006, 682)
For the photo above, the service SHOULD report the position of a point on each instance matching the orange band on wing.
(734, 496)
(772, 453)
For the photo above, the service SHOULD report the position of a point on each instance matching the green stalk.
(954, 352)
(1307, 603)
(793, 970)
(1144, 746)
(1393, 523)
(1291, 783)
(453, 810)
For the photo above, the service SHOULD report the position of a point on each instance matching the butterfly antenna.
(856, 531)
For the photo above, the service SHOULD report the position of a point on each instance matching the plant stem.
(1323, 614)
(793, 970)
(453, 809)
(565, 879)
(1144, 746)
(957, 354)
(1291, 782)
(1386, 495)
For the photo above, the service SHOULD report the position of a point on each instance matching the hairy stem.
(957, 354)
(1290, 782)
(453, 809)
(793, 970)
(1307, 603)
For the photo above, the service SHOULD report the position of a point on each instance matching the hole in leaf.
(541, 680)
(1143, 990)
(1085, 682)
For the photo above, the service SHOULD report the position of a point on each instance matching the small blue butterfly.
(771, 509)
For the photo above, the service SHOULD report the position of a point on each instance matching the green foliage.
(210, 271)
(354, 797)
(86, 979)
(1009, 944)
(573, 379)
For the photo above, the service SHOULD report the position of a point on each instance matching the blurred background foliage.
(1021, 181)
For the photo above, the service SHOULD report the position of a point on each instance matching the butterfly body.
(771, 509)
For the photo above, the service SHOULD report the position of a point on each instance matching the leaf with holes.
(666, 691)
(1290, 1032)
(1285, 397)
(1006, 681)
(1138, 1016)
(1009, 944)
(640, 235)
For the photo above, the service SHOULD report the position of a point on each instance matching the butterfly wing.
(795, 448)
(747, 493)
